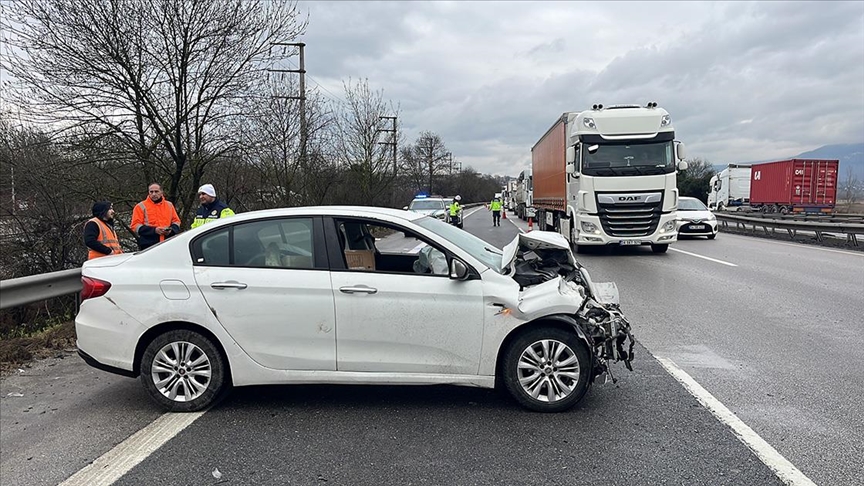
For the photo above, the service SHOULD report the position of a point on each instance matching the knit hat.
(100, 208)
(207, 189)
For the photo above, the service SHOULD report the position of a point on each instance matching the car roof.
(356, 211)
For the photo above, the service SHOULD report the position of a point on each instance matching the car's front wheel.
(183, 371)
(547, 369)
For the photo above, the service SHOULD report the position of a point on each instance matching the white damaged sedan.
(350, 295)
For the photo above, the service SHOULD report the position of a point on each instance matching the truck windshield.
(628, 159)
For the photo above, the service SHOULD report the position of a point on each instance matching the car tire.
(196, 385)
(542, 386)
(660, 248)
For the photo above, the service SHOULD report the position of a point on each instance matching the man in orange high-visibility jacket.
(154, 219)
(99, 235)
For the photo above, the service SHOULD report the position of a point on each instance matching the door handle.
(228, 285)
(360, 289)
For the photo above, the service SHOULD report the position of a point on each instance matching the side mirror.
(458, 270)
(680, 151)
(405, 208)
(571, 154)
(682, 165)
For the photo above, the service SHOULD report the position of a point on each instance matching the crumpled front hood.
(544, 240)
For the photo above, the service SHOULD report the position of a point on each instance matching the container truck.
(796, 185)
(606, 176)
(524, 195)
(730, 188)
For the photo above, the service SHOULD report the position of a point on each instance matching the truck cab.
(620, 185)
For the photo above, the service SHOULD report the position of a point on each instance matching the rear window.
(426, 204)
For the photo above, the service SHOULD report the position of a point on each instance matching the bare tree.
(430, 154)
(850, 189)
(165, 77)
(359, 130)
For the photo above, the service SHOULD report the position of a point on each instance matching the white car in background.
(350, 295)
(695, 219)
(435, 206)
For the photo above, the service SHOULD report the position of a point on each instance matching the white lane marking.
(784, 469)
(516, 225)
(112, 465)
(703, 257)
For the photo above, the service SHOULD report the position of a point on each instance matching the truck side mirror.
(680, 151)
(682, 165)
(571, 154)
(571, 169)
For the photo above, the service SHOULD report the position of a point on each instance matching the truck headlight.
(589, 227)
(668, 226)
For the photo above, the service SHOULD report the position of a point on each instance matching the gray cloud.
(743, 81)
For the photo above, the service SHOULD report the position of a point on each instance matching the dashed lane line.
(703, 257)
(784, 469)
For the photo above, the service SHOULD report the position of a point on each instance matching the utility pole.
(302, 97)
(450, 159)
(431, 165)
(393, 145)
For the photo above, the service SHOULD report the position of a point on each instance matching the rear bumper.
(90, 360)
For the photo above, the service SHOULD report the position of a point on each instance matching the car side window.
(381, 248)
(213, 249)
(281, 243)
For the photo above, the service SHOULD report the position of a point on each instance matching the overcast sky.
(742, 81)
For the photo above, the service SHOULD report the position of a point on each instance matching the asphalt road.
(774, 338)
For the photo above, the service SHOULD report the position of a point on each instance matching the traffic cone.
(530, 224)
(503, 214)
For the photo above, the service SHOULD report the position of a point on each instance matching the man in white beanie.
(211, 208)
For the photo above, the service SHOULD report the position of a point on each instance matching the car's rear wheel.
(183, 371)
(547, 369)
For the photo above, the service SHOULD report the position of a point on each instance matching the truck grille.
(623, 217)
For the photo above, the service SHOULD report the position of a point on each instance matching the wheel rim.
(548, 370)
(181, 371)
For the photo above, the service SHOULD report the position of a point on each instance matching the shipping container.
(548, 161)
(799, 185)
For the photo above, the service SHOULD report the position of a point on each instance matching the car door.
(397, 310)
(268, 284)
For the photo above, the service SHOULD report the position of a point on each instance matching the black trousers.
(496, 218)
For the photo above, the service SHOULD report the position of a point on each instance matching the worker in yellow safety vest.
(495, 207)
(455, 209)
(99, 235)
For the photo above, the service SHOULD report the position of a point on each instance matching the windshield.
(691, 205)
(426, 204)
(628, 159)
(477, 248)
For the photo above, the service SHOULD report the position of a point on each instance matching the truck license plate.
(697, 226)
(630, 242)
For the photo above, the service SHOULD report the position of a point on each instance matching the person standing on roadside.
(211, 208)
(99, 235)
(154, 219)
(495, 207)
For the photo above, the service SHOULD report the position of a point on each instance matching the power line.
(310, 78)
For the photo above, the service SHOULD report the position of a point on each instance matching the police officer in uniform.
(211, 208)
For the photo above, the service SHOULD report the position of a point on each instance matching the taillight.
(93, 287)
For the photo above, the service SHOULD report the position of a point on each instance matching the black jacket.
(91, 236)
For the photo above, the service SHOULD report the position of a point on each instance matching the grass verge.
(17, 351)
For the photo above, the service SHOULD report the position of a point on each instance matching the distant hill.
(849, 155)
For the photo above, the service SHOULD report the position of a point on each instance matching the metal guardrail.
(851, 229)
(34, 288)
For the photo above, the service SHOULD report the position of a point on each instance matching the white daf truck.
(524, 196)
(607, 176)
